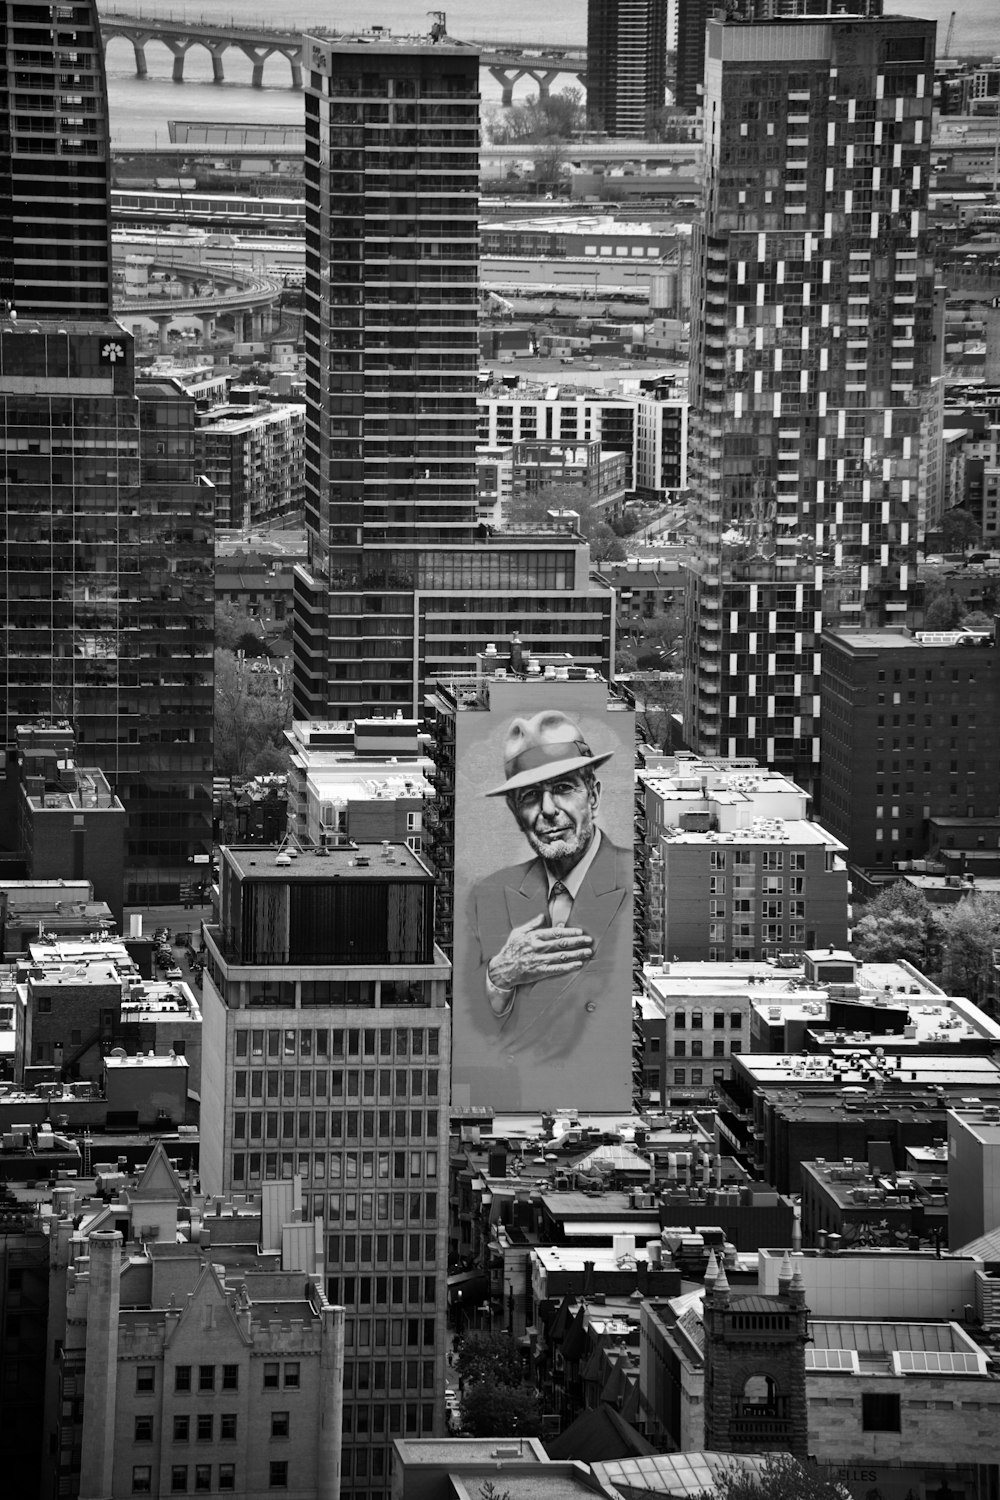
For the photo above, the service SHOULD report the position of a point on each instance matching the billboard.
(542, 1001)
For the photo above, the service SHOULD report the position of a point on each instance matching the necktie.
(560, 905)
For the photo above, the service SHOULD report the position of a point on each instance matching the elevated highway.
(542, 62)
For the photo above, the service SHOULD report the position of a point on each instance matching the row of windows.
(321, 1043)
(203, 1427)
(335, 1084)
(400, 1125)
(681, 1018)
(205, 1380)
(771, 859)
(719, 1049)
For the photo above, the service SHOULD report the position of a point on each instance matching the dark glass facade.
(107, 585)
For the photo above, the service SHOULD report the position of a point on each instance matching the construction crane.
(949, 35)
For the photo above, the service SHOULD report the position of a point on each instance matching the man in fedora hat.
(552, 936)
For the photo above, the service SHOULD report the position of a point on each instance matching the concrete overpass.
(508, 63)
(249, 306)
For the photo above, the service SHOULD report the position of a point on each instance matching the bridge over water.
(507, 62)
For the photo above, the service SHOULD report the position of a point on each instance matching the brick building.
(909, 726)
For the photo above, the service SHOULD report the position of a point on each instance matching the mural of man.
(551, 937)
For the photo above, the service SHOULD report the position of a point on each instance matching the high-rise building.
(326, 1049)
(812, 360)
(692, 16)
(106, 534)
(401, 580)
(626, 64)
(689, 68)
(55, 230)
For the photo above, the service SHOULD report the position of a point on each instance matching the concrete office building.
(107, 608)
(626, 65)
(401, 581)
(813, 350)
(325, 1053)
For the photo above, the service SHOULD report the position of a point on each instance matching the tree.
(781, 1477)
(534, 504)
(970, 935)
(556, 117)
(493, 1357)
(898, 923)
(500, 1410)
(236, 630)
(252, 709)
(943, 613)
(977, 620)
(959, 531)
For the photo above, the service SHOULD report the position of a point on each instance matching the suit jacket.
(562, 1031)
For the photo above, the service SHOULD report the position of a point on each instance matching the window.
(206, 1377)
(179, 1479)
(735, 1019)
(292, 1377)
(679, 1075)
(280, 1424)
(203, 1477)
(142, 1479)
(230, 1377)
(880, 1413)
(696, 1076)
(182, 1429)
(143, 1428)
(272, 1375)
(182, 1378)
(278, 1474)
(206, 1423)
(719, 1020)
(227, 1476)
(145, 1378)
(696, 1049)
(696, 1020)
(227, 1427)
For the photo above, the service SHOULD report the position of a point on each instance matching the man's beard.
(572, 845)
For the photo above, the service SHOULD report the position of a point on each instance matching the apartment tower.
(402, 581)
(106, 534)
(812, 357)
(626, 65)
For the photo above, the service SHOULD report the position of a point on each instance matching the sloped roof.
(598, 1435)
(616, 1158)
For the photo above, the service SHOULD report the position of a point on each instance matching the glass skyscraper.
(106, 538)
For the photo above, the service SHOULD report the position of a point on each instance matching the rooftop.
(382, 39)
(384, 861)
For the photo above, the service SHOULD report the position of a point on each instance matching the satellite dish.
(118, 1052)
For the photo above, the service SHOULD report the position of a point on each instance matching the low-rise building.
(75, 826)
(180, 1368)
(733, 866)
(898, 1392)
(862, 1204)
(778, 1111)
(365, 779)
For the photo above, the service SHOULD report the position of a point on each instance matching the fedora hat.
(537, 749)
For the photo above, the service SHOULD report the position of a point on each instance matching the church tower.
(755, 1373)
